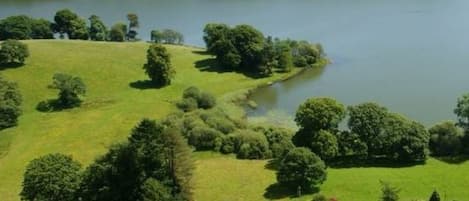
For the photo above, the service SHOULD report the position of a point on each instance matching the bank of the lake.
(114, 102)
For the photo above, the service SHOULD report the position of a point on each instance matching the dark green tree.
(97, 29)
(54, 177)
(320, 114)
(367, 120)
(388, 192)
(445, 139)
(158, 66)
(462, 111)
(13, 52)
(70, 88)
(68, 22)
(118, 32)
(325, 145)
(10, 101)
(351, 146)
(301, 168)
(167, 36)
(285, 58)
(435, 196)
(249, 42)
(154, 190)
(15, 27)
(133, 25)
(41, 29)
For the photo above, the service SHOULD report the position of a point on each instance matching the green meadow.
(117, 99)
(114, 103)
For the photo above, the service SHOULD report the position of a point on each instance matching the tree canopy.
(158, 66)
(10, 101)
(22, 27)
(13, 52)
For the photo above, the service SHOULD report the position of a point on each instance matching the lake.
(411, 56)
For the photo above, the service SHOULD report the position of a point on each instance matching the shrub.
(204, 138)
(158, 66)
(445, 139)
(279, 139)
(319, 197)
(203, 100)
(206, 100)
(13, 52)
(10, 101)
(251, 145)
(325, 145)
(187, 104)
(312, 168)
(191, 92)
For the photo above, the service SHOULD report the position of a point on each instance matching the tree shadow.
(201, 52)
(4, 66)
(376, 162)
(53, 105)
(210, 65)
(453, 159)
(144, 84)
(272, 164)
(277, 191)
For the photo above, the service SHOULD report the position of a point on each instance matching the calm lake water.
(411, 56)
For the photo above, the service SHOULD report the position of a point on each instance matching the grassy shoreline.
(112, 106)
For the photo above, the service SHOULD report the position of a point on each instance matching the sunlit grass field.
(111, 106)
(223, 178)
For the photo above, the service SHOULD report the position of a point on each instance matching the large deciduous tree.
(445, 139)
(301, 168)
(320, 114)
(97, 29)
(158, 66)
(54, 177)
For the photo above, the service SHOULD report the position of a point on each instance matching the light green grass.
(220, 178)
(111, 106)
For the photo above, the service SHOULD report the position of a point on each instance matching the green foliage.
(13, 52)
(279, 139)
(462, 111)
(133, 24)
(158, 66)
(97, 29)
(320, 114)
(247, 144)
(325, 145)
(167, 36)
(118, 32)
(319, 197)
(306, 54)
(156, 164)
(350, 145)
(10, 101)
(54, 177)
(285, 58)
(445, 139)
(22, 27)
(388, 192)
(193, 98)
(70, 88)
(205, 138)
(435, 196)
(367, 120)
(301, 160)
(68, 22)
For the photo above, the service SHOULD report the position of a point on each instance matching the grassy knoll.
(221, 177)
(114, 103)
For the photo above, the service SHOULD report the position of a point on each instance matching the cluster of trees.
(167, 36)
(374, 132)
(13, 52)
(155, 164)
(244, 48)
(193, 99)
(67, 23)
(10, 101)
(158, 66)
(22, 27)
(70, 89)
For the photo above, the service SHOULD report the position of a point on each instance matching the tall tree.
(54, 177)
(97, 29)
(133, 25)
(158, 66)
(320, 114)
(118, 32)
(63, 21)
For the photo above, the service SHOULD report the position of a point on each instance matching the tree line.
(68, 24)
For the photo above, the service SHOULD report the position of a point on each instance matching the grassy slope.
(225, 178)
(111, 106)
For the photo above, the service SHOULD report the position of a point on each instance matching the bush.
(10, 101)
(204, 138)
(206, 100)
(279, 139)
(301, 160)
(187, 104)
(8, 115)
(325, 145)
(251, 145)
(158, 66)
(191, 92)
(319, 197)
(13, 52)
(445, 139)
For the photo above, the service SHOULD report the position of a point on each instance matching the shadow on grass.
(376, 162)
(10, 65)
(53, 105)
(144, 84)
(453, 159)
(277, 191)
(201, 52)
(272, 164)
(211, 65)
